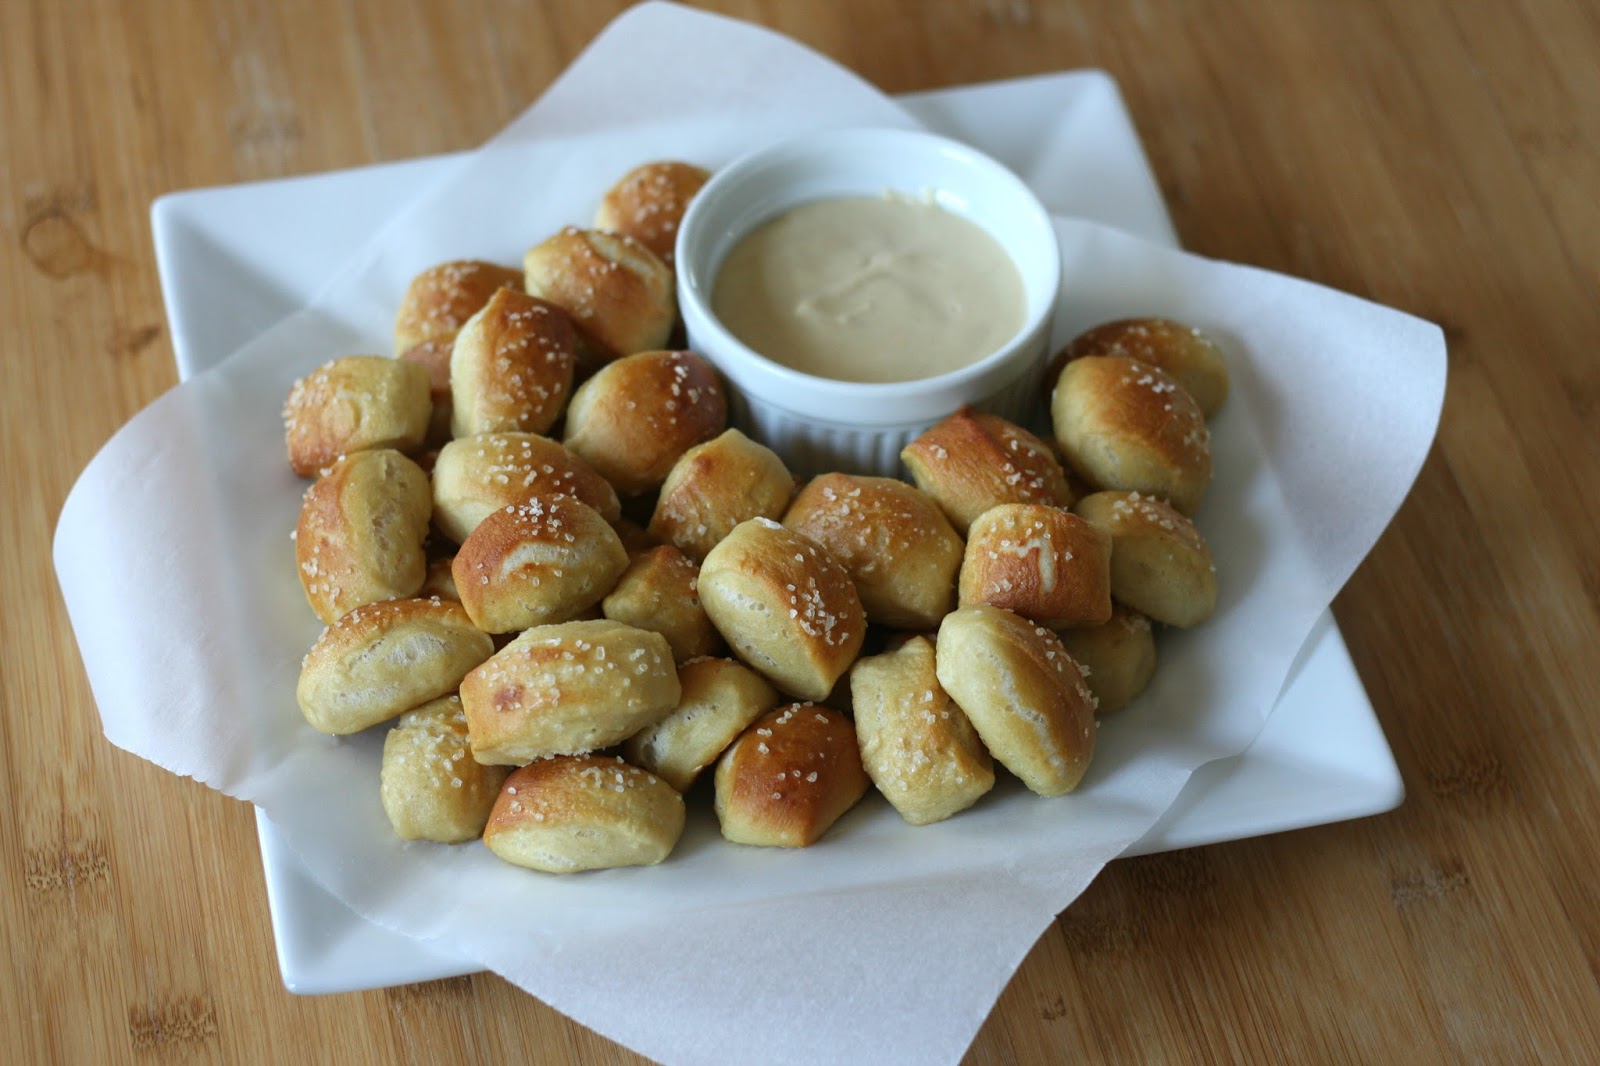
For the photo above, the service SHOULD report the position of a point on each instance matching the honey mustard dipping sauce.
(870, 289)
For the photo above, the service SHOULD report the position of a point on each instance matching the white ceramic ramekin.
(818, 424)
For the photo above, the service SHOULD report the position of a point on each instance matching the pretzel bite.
(383, 659)
(916, 744)
(1160, 565)
(637, 416)
(440, 581)
(648, 202)
(1118, 658)
(430, 786)
(1123, 424)
(789, 777)
(659, 591)
(360, 533)
(439, 300)
(584, 812)
(635, 537)
(434, 356)
(475, 476)
(1025, 695)
(784, 607)
(716, 485)
(973, 461)
(568, 688)
(720, 699)
(545, 559)
(1192, 358)
(511, 366)
(355, 403)
(1041, 562)
(890, 538)
(619, 293)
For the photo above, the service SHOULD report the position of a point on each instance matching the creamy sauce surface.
(870, 289)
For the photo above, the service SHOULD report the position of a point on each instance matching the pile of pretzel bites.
(567, 588)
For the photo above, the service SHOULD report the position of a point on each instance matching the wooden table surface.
(1439, 156)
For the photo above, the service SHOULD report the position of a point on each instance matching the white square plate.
(234, 260)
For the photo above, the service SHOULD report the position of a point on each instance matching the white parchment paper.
(883, 943)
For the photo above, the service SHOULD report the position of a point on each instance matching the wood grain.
(1441, 157)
